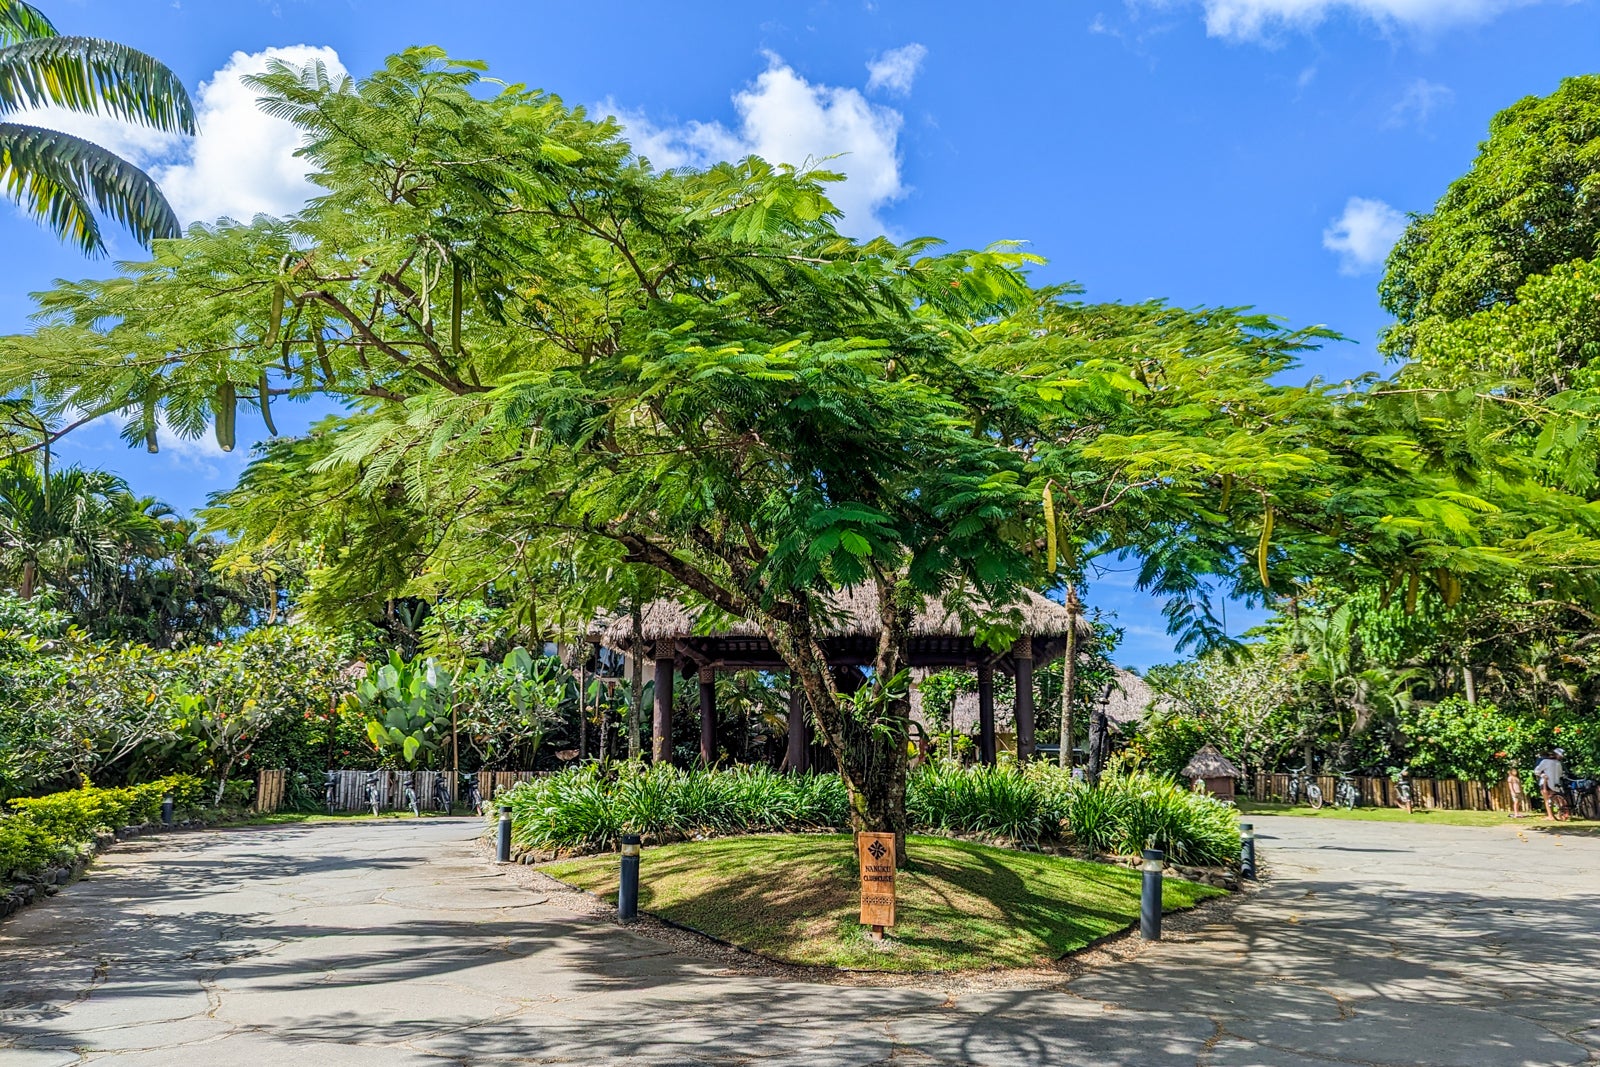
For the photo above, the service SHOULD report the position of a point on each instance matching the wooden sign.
(876, 852)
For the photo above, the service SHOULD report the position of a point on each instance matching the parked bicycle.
(1581, 798)
(1345, 794)
(411, 794)
(372, 791)
(469, 794)
(1402, 792)
(330, 790)
(1313, 791)
(441, 793)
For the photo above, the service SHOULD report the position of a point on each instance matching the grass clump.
(961, 905)
(586, 809)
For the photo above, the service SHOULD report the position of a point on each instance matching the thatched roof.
(854, 613)
(1130, 698)
(1209, 763)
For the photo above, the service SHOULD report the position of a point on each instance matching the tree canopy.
(558, 365)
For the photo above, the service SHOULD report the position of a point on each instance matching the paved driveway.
(393, 944)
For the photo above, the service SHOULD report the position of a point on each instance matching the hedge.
(585, 809)
(39, 832)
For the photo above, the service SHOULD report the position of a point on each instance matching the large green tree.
(64, 181)
(556, 362)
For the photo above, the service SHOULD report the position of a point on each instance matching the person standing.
(1549, 773)
(1519, 801)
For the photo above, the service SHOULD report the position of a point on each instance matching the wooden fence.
(1443, 794)
(350, 787)
(269, 790)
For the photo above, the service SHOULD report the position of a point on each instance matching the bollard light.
(1150, 895)
(166, 811)
(502, 851)
(1247, 850)
(628, 890)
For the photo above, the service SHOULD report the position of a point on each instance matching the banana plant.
(407, 707)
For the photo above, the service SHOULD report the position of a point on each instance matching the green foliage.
(1526, 206)
(45, 830)
(1454, 739)
(63, 180)
(585, 809)
(1165, 742)
(1243, 702)
(507, 707)
(407, 705)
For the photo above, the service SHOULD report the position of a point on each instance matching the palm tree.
(64, 180)
(54, 525)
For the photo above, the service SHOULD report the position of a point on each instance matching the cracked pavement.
(394, 943)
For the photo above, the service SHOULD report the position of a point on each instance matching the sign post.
(876, 853)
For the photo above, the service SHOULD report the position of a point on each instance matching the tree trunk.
(870, 749)
(636, 680)
(30, 576)
(1069, 677)
(1469, 683)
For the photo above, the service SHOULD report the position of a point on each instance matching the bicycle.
(411, 795)
(1402, 793)
(1582, 801)
(441, 794)
(330, 790)
(1345, 794)
(1313, 791)
(469, 794)
(372, 791)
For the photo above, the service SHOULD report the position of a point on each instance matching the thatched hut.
(1214, 771)
(681, 640)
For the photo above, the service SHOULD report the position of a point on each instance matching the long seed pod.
(266, 405)
(226, 411)
(150, 441)
(1049, 531)
(1261, 549)
(322, 354)
(277, 313)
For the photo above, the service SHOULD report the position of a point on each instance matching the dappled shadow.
(313, 948)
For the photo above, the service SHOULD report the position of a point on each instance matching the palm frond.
(95, 76)
(22, 22)
(60, 179)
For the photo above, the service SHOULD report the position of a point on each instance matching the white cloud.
(1253, 19)
(1363, 235)
(896, 69)
(785, 119)
(1420, 100)
(241, 164)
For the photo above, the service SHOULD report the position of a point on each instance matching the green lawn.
(1420, 816)
(795, 898)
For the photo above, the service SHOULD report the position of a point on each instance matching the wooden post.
(708, 715)
(1022, 653)
(798, 756)
(661, 737)
(986, 746)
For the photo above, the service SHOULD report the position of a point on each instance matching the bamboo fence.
(350, 788)
(1440, 794)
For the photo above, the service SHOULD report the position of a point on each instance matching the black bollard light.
(502, 850)
(1247, 850)
(628, 891)
(1150, 895)
(166, 811)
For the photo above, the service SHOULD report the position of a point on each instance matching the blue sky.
(1234, 152)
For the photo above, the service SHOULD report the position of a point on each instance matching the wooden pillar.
(708, 716)
(799, 761)
(1022, 653)
(661, 736)
(986, 747)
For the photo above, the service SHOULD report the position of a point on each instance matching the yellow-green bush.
(40, 831)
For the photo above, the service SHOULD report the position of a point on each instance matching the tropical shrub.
(44, 830)
(586, 808)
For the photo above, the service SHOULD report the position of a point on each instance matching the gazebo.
(1214, 769)
(939, 639)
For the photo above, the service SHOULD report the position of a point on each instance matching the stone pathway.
(393, 943)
